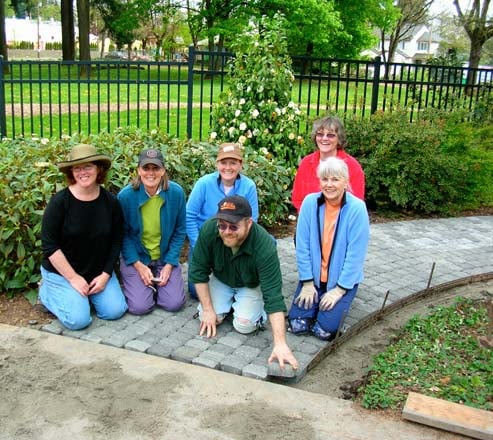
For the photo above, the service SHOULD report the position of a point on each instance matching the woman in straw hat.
(81, 236)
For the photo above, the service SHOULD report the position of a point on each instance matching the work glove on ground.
(330, 298)
(308, 296)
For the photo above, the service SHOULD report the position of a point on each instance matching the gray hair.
(333, 167)
(330, 123)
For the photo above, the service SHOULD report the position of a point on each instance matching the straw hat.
(84, 153)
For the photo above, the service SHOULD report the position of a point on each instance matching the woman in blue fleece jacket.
(332, 237)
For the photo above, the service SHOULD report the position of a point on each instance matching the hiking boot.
(320, 333)
(299, 326)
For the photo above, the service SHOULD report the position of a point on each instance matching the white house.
(421, 45)
(17, 30)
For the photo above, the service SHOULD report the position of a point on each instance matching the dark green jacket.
(256, 263)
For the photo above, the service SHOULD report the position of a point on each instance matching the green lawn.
(49, 99)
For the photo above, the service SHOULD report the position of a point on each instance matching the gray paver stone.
(198, 343)
(255, 371)
(247, 352)
(206, 362)
(234, 364)
(137, 345)
(74, 333)
(161, 350)
(232, 340)
(213, 355)
(185, 354)
(221, 348)
(54, 327)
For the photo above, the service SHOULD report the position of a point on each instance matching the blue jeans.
(74, 310)
(329, 320)
(247, 304)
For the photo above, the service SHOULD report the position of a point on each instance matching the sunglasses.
(225, 226)
(328, 135)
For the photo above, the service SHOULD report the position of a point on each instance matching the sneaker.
(299, 326)
(320, 333)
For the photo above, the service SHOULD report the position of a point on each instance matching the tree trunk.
(3, 40)
(474, 57)
(84, 48)
(68, 36)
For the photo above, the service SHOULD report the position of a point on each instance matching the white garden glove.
(330, 298)
(308, 295)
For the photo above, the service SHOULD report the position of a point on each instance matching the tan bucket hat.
(83, 153)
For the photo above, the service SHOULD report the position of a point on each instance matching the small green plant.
(257, 109)
(439, 356)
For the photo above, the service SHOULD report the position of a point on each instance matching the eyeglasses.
(80, 168)
(321, 135)
(225, 226)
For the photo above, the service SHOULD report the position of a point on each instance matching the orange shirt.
(330, 219)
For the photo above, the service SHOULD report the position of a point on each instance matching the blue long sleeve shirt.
(207, 192)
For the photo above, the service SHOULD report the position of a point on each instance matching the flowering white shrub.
(257, 109)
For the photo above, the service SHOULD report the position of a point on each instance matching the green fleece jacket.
(256, 263)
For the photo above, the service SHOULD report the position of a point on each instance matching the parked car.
(116, 55)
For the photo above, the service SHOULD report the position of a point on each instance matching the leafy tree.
(311, 25)
(20, 8)
(453, 38)
(358, 19)
(159, 21)
(479, 29)
(411, 14)
(121, 20)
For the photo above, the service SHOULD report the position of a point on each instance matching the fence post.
(376, 84)
(191, 62)
(3, 120)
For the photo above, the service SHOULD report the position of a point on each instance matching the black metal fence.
(54, 98)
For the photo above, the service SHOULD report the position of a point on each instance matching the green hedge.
(29, 177)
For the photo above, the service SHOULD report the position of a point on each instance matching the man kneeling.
(246, 276)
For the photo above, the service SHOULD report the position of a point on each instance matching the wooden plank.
(450, 416)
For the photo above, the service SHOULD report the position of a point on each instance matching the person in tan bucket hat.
(227, 180)
(81, 238)
(84, 153)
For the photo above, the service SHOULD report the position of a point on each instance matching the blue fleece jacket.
(349, 247)
(207, 192)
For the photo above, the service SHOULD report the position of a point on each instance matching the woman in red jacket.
(329, 135)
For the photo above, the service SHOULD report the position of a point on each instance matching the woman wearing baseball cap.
(81, 237)
(155, 230)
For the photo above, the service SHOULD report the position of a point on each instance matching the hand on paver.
(208, 322)
(330, 298)
(308, 295)
(283, 354)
